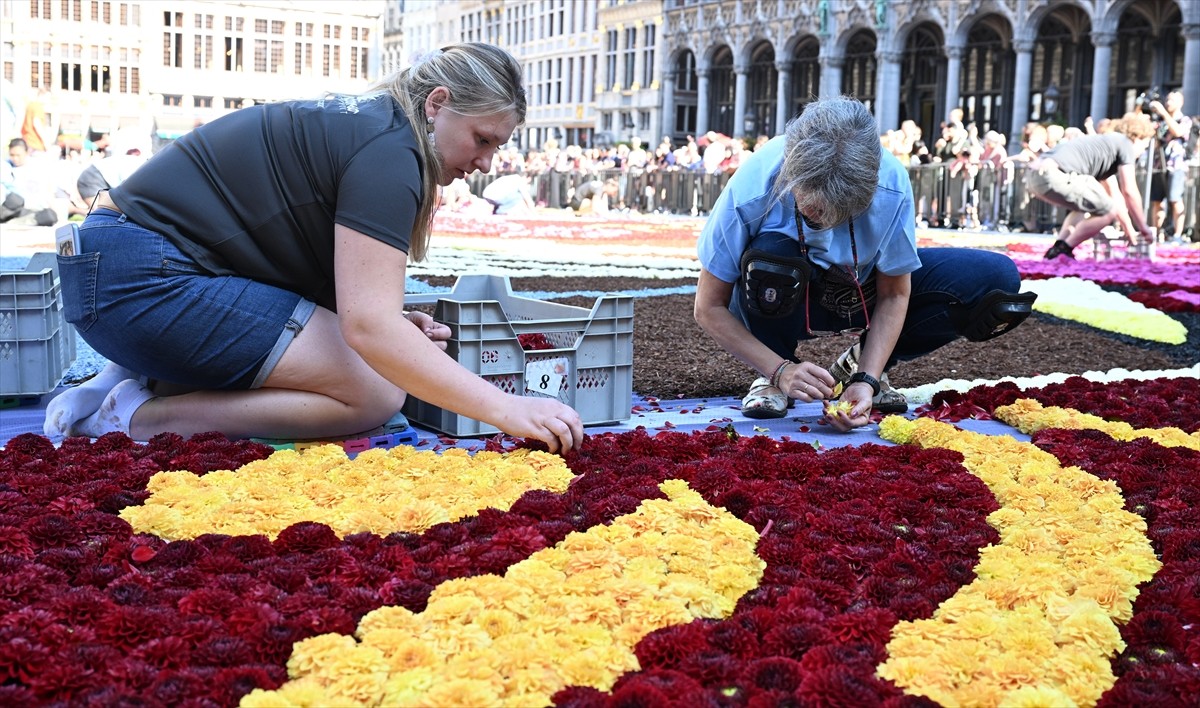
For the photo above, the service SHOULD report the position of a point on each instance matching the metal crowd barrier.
(990, 199)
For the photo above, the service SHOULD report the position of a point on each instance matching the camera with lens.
(1144, 99)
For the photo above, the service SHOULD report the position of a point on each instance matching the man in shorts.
(1085, 176)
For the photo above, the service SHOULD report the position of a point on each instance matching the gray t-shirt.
(1095, 155)
(257, 192)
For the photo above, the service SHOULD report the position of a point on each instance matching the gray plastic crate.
(36, 346)
(590, 356)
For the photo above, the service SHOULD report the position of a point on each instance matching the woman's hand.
(546, 419)
(437, 332)
(806, 382)
(858, 396)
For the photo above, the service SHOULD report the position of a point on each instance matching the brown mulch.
(673, 357)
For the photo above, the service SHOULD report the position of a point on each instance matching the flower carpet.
(1012, 543)
(651, 567)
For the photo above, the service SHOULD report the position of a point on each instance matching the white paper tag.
(545, 376)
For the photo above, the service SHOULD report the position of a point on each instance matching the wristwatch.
(864, 377)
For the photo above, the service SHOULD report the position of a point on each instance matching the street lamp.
(748, 125)
(1050, 100)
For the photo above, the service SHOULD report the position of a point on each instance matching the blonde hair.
(482, 80)
(1135, 126)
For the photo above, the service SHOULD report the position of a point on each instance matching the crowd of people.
(960, 146)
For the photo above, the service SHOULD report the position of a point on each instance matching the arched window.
(987, 77)
(761, 85)
(1061, 60)
(858, 76)
(720, 92)
(806, 75)
(1144, 56)
(922, 78)
(685, 93)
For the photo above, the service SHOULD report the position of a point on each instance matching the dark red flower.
(774, 674)
(794, 640)
(165, 652)
(53, 531)
(172, 688)
(637, 694)
(580, 697)
(21, 659)
(839, 686)
(209, 602)
(1147, 629)
(323, 620)
(871, 625)
(127, 627)
(229, 685)
(222, 651)
(305, 537)
(666, 648)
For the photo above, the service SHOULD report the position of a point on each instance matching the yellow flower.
(304, 693)
(461, 691)
(1036, 697)
(309, 655)
(1041, 609)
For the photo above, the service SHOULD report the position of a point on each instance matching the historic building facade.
(605, 70)
(744, 67)
(108, 64)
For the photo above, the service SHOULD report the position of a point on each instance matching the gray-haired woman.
(815, 236)
(255, 269)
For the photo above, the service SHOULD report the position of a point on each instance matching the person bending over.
(815, 236)
(1085, 175)
(254, 270)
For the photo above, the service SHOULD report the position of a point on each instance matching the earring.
(429, 124)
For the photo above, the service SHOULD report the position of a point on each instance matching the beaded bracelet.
(778, 372)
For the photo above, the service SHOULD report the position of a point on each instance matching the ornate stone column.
(1191, 69)
(783, 95)
(739, 99)
(1020, 109)
(887, 91)
(831, 75)
(667, 124)
(701, 101)
(1103, 43)
(954, 56)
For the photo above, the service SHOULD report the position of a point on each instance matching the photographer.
(1173, 129)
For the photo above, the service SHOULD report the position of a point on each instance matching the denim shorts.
(141, 302)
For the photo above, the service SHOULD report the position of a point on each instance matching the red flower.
(580, 697)
(229, 685)
(871, 625)
(222, 651)
(209, 602)
(127, 627)
(22, 659)
(305, 537)
(1148, 629)
(774, 674)
(795, 640)
(666, 648)
(15, 542)
(165, 652)
(838, 686)
(53, 531)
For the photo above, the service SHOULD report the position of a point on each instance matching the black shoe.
(1060, 248)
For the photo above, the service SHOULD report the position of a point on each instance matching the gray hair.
(482, 79)
(831, 162)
